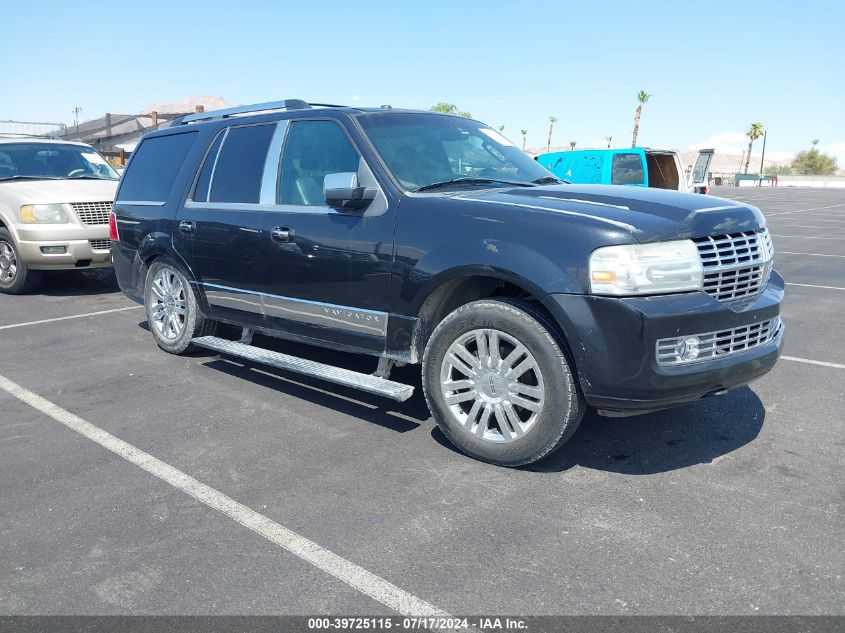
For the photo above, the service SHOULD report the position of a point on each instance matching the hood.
(21, 192)
(648, 214)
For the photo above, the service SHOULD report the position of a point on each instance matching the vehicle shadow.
(396, 416)
(697, 433)
(70, 283)
(659, 442)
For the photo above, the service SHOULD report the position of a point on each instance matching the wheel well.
(457, 292)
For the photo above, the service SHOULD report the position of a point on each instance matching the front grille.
(711, 345)
(100, 245)
(92, 212)
(736, 266)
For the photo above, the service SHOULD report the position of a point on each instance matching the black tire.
(172, 339)
(560, 409)
(15, 276)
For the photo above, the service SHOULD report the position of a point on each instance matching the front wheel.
(498, 383)
(173, 314)
(15, 276)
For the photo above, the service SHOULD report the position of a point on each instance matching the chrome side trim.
(143, 203)
(270, 177)
(326, 315)
(225, 297)
(346, 318)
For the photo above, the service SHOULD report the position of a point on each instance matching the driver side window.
(312, 150)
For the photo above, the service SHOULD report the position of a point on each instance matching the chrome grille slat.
(93, 213)
(736, 266)
(719, 344)
(100, 245)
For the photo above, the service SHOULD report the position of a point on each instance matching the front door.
(327, 270)
(700, 171)
(220, 225)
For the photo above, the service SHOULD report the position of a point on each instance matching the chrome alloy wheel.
(168, 303)
(492, 385)
(8, 262)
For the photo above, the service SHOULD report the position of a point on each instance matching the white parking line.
(813, 362)
(807, 254)
(346, 571)
(832, 206)
(65, 318)
(808, 226)
(789, 283)
(806, 237)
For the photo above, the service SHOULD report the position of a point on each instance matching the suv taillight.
(113, 236)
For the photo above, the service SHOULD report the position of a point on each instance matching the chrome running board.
(338, 375)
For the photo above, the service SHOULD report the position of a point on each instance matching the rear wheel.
(15, 276)
(173, 314)
(498, 383)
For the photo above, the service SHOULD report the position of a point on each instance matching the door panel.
(701, 168)
(329, 277)
(219, 230)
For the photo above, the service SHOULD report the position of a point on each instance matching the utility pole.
(762, 157)
(76, 111)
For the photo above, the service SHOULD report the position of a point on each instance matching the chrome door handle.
(187, 226)
(282, 234)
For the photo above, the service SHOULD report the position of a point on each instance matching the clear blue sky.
(712, 67)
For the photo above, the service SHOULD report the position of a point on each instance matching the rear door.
(219, 227)
(700, 177)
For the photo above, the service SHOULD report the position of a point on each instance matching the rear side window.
(204, 180)
(240, 166)
(627, 169)
(154, 168)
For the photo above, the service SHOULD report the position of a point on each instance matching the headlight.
(43, 214)
(646, 269)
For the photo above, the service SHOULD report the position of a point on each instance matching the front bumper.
(84, 247)
(613, 342)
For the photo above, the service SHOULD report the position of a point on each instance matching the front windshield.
(52, 161)
(423, 149)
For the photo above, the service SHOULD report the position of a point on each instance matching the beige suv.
(55, 198)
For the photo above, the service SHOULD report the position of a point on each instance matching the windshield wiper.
(548, 180)
(469, 180)
(19, 177)
(86, 177)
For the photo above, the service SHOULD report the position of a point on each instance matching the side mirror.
(342, 191)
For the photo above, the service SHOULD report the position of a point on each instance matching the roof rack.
(287, 104)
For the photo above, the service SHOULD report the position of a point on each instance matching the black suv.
(418, 237)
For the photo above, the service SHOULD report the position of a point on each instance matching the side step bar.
(346, 377)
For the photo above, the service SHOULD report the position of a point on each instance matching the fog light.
(54, 250)
(687, 348)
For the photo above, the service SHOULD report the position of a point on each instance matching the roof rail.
(25, 135)
(287, 104)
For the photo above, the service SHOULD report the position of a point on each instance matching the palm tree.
(502, 128)
(552, 121)
(815, 142)
(608, 139)
(572, 144)
(524, 134)
(642, 97)
(753, 133)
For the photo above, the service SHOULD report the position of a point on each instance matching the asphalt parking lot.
(733, 505)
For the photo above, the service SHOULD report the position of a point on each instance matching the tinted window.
(201, 189)
(627, 169)
(312, 150)
(154, 167)
(240, 165)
